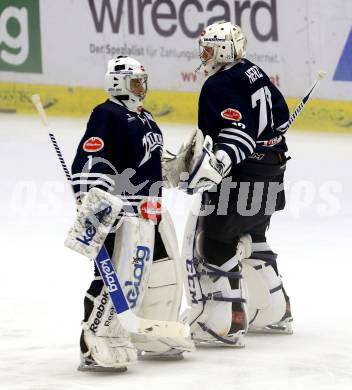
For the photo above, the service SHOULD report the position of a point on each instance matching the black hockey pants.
(243, 203)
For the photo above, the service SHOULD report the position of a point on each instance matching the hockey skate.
(235, 337)
(284, 326)
(234, 340)
(105, 345)
(103, 354)
(164, 348)
(89, 364)
(170, 355)
(223, 318)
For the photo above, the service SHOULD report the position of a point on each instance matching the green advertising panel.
(20, 43)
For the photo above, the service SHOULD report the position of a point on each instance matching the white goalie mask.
(126, 81)
(221, 43)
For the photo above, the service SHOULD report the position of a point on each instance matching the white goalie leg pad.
(266, 300)
(191, 282)
(108, 344)
(209, 293)
(163, 297)
(211, 318)
(133, 256)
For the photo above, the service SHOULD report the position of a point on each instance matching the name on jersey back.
(253, 74)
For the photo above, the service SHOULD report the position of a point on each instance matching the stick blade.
(38, 105)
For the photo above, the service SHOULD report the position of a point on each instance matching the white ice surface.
(42, 284)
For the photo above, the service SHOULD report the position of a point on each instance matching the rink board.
(167, 106)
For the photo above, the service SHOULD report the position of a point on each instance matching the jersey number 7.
(263, 96)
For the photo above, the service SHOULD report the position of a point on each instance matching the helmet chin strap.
(123, 100)
(119, 99)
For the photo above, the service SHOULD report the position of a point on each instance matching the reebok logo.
(20, 44)
(343, 71)
(100, 312)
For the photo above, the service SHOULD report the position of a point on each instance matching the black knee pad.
(216, 252)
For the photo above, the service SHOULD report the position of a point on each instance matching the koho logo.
(20, 44)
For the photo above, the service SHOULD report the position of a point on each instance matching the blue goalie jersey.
(120, 153)
(243, 111)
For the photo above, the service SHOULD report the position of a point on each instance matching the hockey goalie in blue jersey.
(120, 152)
(232, 281)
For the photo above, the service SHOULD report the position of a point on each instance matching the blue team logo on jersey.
(344, 68)
(151, 141)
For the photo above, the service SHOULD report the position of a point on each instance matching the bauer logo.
(344, 68)
(20, 44)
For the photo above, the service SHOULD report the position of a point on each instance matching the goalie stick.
(127, 318)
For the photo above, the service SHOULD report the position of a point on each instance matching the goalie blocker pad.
(94, 221)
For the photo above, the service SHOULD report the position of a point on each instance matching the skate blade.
(284, 328)
(160, 357)
(96, 368)
(236, 342)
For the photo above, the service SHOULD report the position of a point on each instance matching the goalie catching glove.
(208, 169)
(195, 166)
(175, 165)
